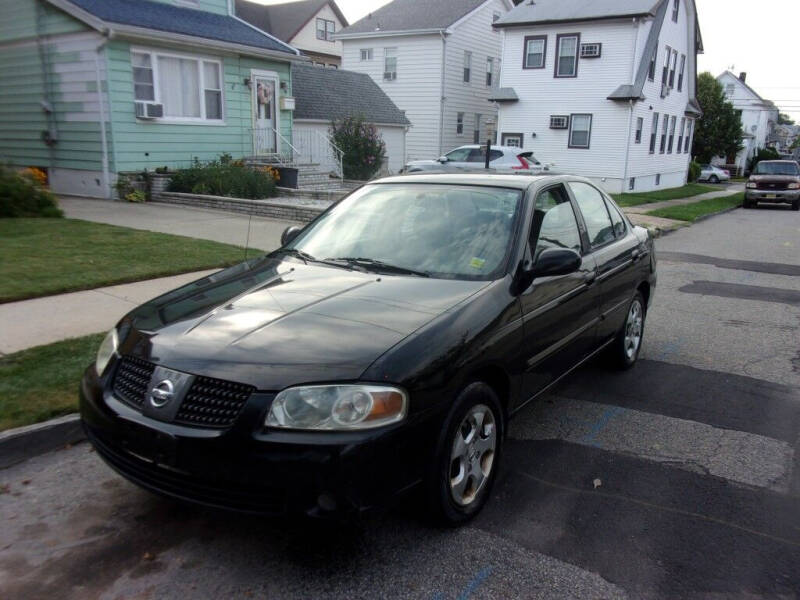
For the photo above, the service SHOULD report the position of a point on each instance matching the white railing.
(264, 141)
(317, 148)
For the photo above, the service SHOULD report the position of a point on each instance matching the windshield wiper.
(380, 265)
(307, 258)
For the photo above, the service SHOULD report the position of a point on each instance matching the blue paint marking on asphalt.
(600, 424)
(476, 581)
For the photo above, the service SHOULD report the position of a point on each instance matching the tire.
(748, 204)
(624, 350)
(796, 205)
(463, 472)
(713, 179)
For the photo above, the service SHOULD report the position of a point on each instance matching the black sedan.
(383, 348)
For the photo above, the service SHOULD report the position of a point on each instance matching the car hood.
(774, 178)
(274, 323)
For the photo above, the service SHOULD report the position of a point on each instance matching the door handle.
(635, 254)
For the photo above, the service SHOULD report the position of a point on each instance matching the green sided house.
(93, 88)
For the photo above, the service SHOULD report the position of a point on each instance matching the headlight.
(337, 407)
(752, 185)
(107, 349)
(793, 186)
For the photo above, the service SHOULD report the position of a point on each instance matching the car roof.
(520, 182)
(494, 147)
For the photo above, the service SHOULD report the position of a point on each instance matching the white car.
(713, 174)
(501, 159)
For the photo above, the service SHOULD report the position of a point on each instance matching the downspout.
(630, 104)
(441, 94)
(107, 34)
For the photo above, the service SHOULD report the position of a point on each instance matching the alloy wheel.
(472, 454)
(633, 329)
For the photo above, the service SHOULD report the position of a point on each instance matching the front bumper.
(248, 469)
(787, 196)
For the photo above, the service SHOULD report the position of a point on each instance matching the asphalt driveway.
(677, 479)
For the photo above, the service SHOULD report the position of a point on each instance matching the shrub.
(23, 195)
(224, 177)
(694, 171)
(763, 154)
(362, 146)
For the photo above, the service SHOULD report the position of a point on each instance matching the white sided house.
(325, 95)
(759, 117)
(603, 89)
(437, 61)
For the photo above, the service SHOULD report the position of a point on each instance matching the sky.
(760, 38)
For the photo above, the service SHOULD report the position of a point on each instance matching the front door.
(265, 126)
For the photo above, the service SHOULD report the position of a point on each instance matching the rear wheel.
(625, 348)
(467, 457)
(713, 179)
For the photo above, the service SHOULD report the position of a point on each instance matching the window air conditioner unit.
(149, 110)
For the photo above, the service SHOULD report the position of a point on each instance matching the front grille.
(213, 402)
(208, 403)
(207, 490)
(132, 379)
(780, 185)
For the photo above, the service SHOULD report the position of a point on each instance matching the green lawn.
(691, 212)
(687, 191)
(40, 257)
(41, 383)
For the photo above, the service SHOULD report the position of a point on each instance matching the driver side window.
(554, 224)
(458, 155)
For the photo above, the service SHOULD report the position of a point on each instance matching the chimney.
(743, 77)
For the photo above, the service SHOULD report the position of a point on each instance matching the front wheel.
(713, 179)
(625, 348)
(467, 458)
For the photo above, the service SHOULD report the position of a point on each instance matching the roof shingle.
(328, 94)
(185, 21)
(550, 11)
(408, 15)
(284, 20)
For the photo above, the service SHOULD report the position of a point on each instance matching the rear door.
(615, 250)
(560, 314)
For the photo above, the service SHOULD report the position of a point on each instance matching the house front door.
(264, 111)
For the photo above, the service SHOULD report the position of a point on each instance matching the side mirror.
(556, 261)
(443, 159)
(289, 234)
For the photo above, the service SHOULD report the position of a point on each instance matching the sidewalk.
(39, 321)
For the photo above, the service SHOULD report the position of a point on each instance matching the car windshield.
(777, 168)
(443, 231)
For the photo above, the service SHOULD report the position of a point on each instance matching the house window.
(389, 64)
(567, 55)
(190, 88)
(489, 69)
(559, 121)
(513, 140)
(676, 8)
(664, 126)
(653, 133)
(366, 54)
(665, 70)
(651, 71)
(672, 68)
(679, 147)
(535, 52)
(460, 123)
(639, 127)
(580, 131)
(730, 89)
(688, 136)
(467, 65)
(476, 134)
(143, 82)
(658, 178)
(325, 29)
(591, 50)
(671, 134)
(682, 72)
(631, 184)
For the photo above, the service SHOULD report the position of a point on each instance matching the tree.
(362, 146)
(719, 131)
(784, 119)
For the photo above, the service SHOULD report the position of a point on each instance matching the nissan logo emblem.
(162, 393)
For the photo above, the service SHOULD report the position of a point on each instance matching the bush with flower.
(362, 146)
(23, 194)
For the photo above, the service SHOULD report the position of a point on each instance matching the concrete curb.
(716, 214)
(22, 443)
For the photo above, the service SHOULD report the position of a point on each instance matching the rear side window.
(593, 208)
(554, 224)
(616, 220)
(479, 155)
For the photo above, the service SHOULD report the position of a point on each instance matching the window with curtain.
(489, 69)
(679, 147)
(389, 64)
(459, 123)
(567, 62)
(467, 65)
(671, 134)
(188, 87)
(639, 127)
(665, 70)
(534, 52)
(664, 126)
(651, 71)
(653, 133)
(672, 68)
(682, 72)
